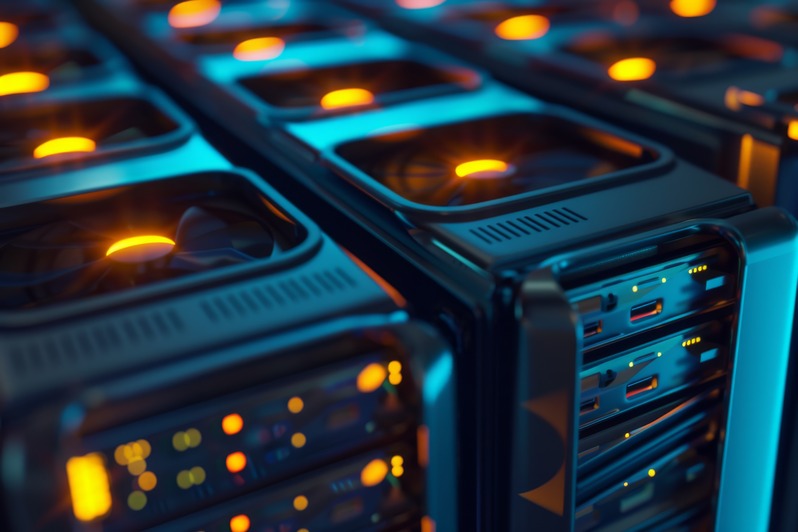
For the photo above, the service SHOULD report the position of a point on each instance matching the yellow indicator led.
(189, 439)
(137, 467)
(635, 288)
(131, 452)
(232, 424)
(397, 463)
(89, 486)
(193, 477)
(397, 460)
(300, 503)
(691, 341)
(194, 13)
(486, 168)
(792, 130)
(659, 354)
(625, 484)
(259, 49)
(295, 405)
(239, 523)
(664, 280)
(148, 481)
(697, 269)
(651, 473)
(346, 98)
(236, 462)
(140, 248)
(627, 435)
(523, 28)
(23, 82)
(395, 372)
(371, 378)
(298, 440)
(693, 8)
(632, 69)
(137, 500)
(374, 473)
(64, 145)
(631, 364)
(8, 33)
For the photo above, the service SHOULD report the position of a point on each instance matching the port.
(642, 386)
(646, 310)
(589, 405)
(592, 329)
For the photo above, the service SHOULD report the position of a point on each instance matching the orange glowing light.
(693, 8)
(89, 486)
(371, 377)
(143, 248)
(482, 168)
(632, 69)
(300, 503)
(346, 98)
(64, 145)
(374, 473)
(232, 424)
(148, 481)
(792, 130)
(23, 82)
(8, 33)
(239, 523)
(259, 49)
(194, 13)
(523, 28)
(295, 405)
(236, 462)
(418, 4)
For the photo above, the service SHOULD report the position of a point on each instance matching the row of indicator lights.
(134, 456)
(636, 288)
(698, 269)
(651, 473)
(374, 375)
(691, 341)
(632, 363)
(372, 474)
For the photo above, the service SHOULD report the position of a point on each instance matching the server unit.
(601, 293)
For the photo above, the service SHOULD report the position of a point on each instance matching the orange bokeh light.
(236, 462)
(523, 28)
(259, 49)
(194, 13)
(346, 98)
(632, 69)
(232, 424)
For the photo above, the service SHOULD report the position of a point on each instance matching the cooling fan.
(490, 159)
(72, 130)
(117, 239)
(343, 88)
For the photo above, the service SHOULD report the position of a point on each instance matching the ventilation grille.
(88, 344)
(527, 225)
(269, 296)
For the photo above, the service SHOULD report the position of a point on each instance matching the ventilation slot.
(267, 297)
(85, 344)
(527, 225)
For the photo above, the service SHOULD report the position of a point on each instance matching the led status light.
(523, 28)
(137, 500)
(397, 466)
(395, 372)
(300, 503)
(8, 33)
(295, 405)
(792, 129)
(346, 98)
(651, 473)
(239, 523)
(693, 8)
(189, 439)
(298, 440)
(236, 462)
(374, 473)
(64, 145)
(691, 341)
(697, 269)
(194, 13)
(371, 378)
(632, 69)
(259, 49)
(191, 477)
(232, 424)
(23, 82)
(89, 486)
